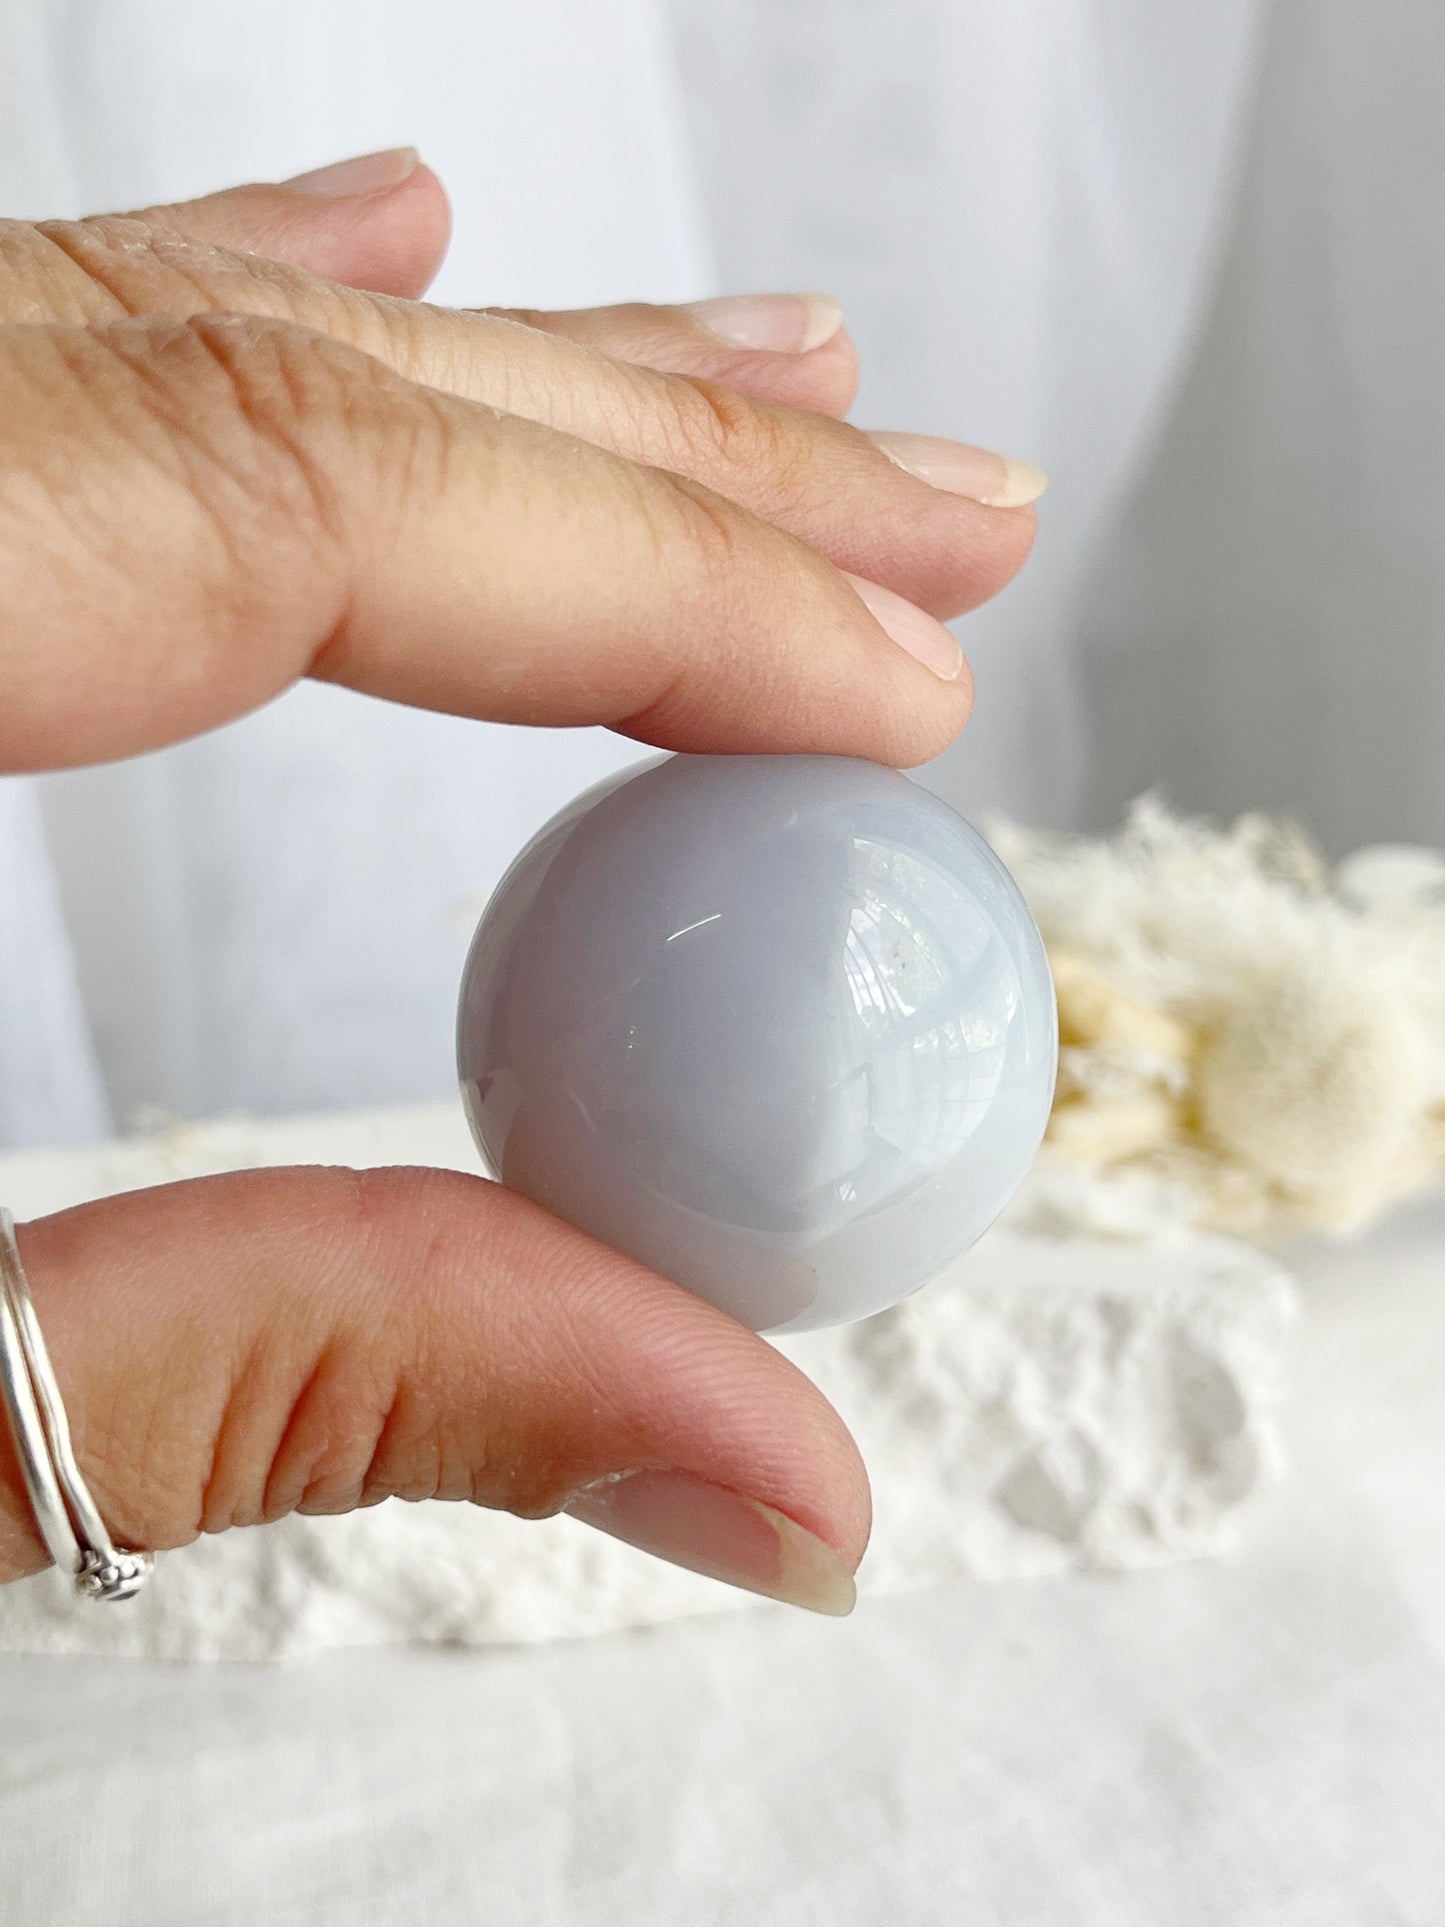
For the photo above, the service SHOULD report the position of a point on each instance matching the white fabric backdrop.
(1020, 205)
(275, 916)
(1268, 627)
(1025, 209)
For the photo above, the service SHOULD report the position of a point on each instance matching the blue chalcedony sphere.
(781, 1027)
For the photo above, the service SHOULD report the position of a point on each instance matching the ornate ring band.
(66, 1514)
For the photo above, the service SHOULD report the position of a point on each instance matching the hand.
(222, 467)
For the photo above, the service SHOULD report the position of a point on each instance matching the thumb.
(379, 222)
(237, 1348)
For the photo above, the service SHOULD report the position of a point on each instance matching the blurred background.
(1189, 259)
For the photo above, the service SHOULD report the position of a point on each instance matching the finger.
(787, 348)
(199, 512)
(238, 1348)
(947, 542)
(379, 222)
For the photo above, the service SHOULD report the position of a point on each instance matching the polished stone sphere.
(780, 1027)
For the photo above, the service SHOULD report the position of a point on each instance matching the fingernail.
(364, 174)
(788, 324)
(997, 481)
(709, 1529)
(912, 629)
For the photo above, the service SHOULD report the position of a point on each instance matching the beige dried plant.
(1251, 1042)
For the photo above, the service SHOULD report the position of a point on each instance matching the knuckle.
(385, 1415)
(708, 531)
(39, 282)
(53, 272)
(312, 1399)
(417, 1386)
(537, 319)
(238, 409)
(708, 554)
(405, 336)
(722, 435)
(242, 403)
(333, 1431)
(736, 574)
(188, 448)
(222, 394)
(730, 577)
(115, 265)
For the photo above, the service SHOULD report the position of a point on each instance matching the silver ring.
(72, 1528)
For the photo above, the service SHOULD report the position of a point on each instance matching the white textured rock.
(1049, 1404)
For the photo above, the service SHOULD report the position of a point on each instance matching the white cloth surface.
(1255, 1743)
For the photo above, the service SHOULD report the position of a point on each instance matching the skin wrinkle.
(226, 1447)
(422, 465)
(118, 257)
(742, 437)
(90, 522)
(60, 273)
(57, 368)
(251, 1436)
(334, 1353)
(291, 1471)
(706, 533)
(394, 1470)
(136, 412)
(26, 295)
(366, 1413)
(411, 1454)
(254, 363)
(407, 1452)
